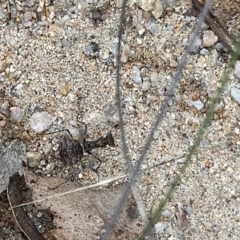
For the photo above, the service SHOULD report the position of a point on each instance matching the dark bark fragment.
(16, 183)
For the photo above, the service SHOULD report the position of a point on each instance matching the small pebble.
(65, 42)
(209, 38)
(77, 133)
(173, 63)
(166, 213)
(219, 46)
(42, 162)
(146, 85)
(80, 175)
(41, 121)
(2, 16)
(16, 114)
(111, 114)
(33, 159)
(4, 109)
(56, 30)
(47, 148)
(154, 28)
(3, 66)
(29, 3)
(156, 135)
(208, 225)
(197, 104)
(65, 88)
(237, 69)
(125, 53)
(13, 11)
(72, 97)
(95, 15)
(169, 230)
(19, 88)
(156, 7)
(181, 160)
(160, 227)
(2, 123)
(65, 18)
(154, 79)
(204, 52)
(235, 93)
(128, 99)
(136, 75)
(49, 168)
(27, 16)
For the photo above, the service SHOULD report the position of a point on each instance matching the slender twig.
(160, 116)
(106, 181)
(199, 136)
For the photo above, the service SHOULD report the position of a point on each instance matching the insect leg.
(100, 161)
(62, 131)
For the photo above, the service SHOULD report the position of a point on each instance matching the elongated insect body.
(71, 151)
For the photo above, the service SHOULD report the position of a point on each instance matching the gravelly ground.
(48, 67)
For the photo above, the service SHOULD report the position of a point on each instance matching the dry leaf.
(85, 214)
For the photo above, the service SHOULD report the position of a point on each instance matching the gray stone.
(154, 79)
(219, 46)
(237, 69)
(166, 213)
(11, 162)
(125, 53)
(235, 93)
(41, 121)
(143, 72)
(29, 3)
(156, 134)
(4, 109)
(17, 114)
(111, 114)
(169, 4)
(27, 24)
(65, 18)
(27, 16)
(13, 11)
(146, 85)
(181, 160)
(185, 41)
(33, 159)
(197, 104)
(154, 28)
(207, 225)
(3, 66)
(49, 168)
(2, 16)
(19, 88)
(136, 75)
(160, 227)
(76, 133)
(156, 7)
(204, 52)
